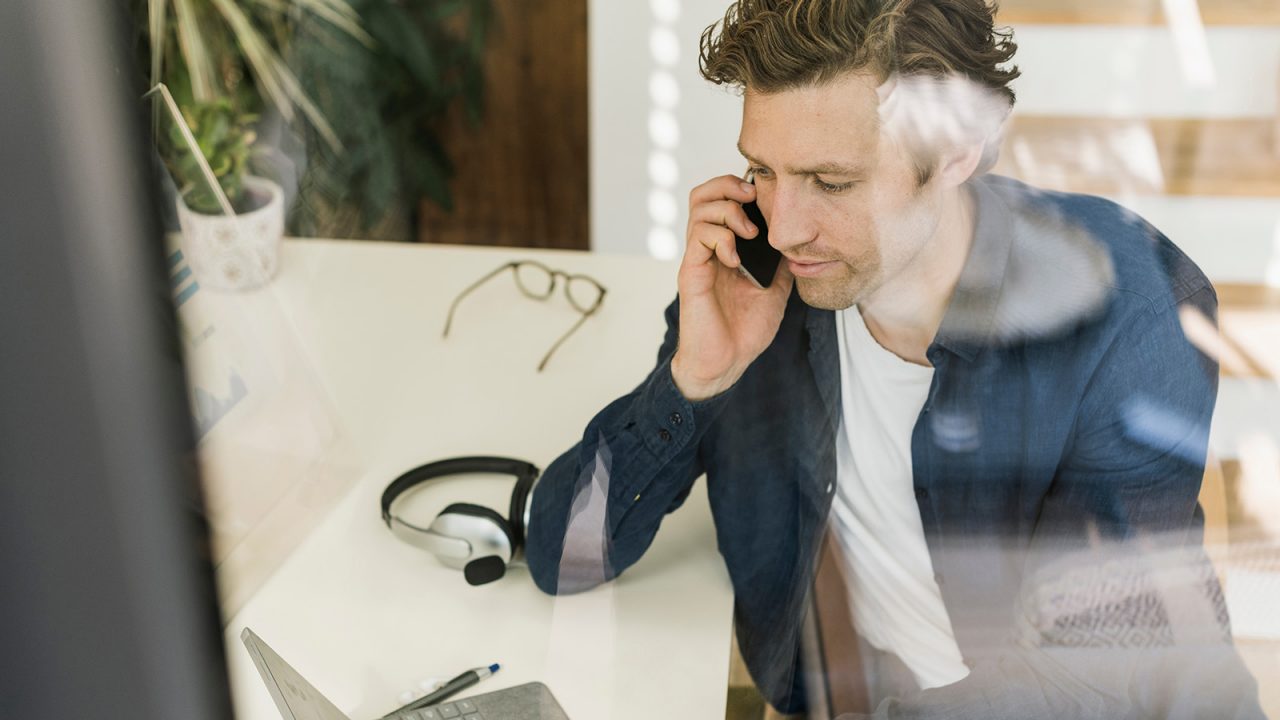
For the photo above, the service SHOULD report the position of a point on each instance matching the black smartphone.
(759, 258)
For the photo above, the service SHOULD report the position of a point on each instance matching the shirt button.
(676, 419)
(922, 493)
(969, 662)
(666, 436)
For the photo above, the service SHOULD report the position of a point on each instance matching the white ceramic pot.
(235, 253)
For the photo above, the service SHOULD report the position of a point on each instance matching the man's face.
(840, 196)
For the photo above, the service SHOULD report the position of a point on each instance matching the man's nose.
(790, 224)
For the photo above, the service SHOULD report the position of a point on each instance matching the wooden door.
(522, 175)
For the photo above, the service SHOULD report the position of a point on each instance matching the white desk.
(365, 617)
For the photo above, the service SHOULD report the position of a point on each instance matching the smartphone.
(759, 258)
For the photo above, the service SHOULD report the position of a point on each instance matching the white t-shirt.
(897, 606)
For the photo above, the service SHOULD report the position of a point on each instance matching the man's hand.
(725, 320)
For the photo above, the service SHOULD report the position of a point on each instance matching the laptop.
(298, 700)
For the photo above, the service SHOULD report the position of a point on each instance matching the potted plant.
(222, 61)
(232, 221)
(361, 88)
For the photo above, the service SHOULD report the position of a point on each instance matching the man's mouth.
(809, 268)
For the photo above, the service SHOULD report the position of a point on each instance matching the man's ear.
(957, 164)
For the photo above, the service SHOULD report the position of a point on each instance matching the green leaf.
(384, 103)
(473, 93)
(216, 128)
(195, 53)
(446, 8)
(339, 14)
(481, 16)
(433, 181)
(395, 29)
(157, 10)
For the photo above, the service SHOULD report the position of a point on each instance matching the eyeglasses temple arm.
(563, 337)
(449, 320)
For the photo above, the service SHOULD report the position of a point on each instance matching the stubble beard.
(841, 291)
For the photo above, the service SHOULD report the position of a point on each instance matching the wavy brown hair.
(769, 46)
(773, 45)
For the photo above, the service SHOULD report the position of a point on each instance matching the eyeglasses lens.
(534, 280)
(584, 294)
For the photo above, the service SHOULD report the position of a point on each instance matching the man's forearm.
(597, 508)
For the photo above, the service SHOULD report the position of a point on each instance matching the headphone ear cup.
(484, 570)
(488, 514)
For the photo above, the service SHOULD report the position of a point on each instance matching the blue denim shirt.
(1066, 407)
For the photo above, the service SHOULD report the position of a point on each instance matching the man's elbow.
(566, 574)
(545, 581)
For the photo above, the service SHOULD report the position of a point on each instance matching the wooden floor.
(1174, 156)
(1135, 12)
(1249, 320)
(744, 701)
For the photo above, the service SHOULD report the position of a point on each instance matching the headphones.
(475, 539)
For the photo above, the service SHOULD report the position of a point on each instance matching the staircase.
(1171, 108)
(1133, 12)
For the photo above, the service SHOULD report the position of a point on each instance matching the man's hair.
(770, 46)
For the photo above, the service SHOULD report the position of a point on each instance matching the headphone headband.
(472, 538)
(524, 472)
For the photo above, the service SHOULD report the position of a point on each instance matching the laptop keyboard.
(460, 709)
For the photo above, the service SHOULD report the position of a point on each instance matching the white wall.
(623, 39)
(1067, 71)
(1100, 71)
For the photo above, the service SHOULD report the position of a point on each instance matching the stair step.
(1134, 12)
(1248, 296)
(1172, 156)
(1249, 319)
(1139, 71)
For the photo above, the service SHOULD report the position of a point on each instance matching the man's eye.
(760, 172)
(830, 188)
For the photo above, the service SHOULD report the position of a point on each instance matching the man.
(976, 385)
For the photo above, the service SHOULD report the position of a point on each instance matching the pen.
(453, 687)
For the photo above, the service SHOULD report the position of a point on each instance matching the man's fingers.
(716, 218)
(727, 213)
(725, 187)
(707, 241)
(727, 250)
